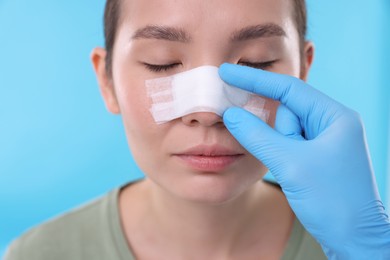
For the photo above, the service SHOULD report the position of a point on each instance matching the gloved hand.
(318, 154)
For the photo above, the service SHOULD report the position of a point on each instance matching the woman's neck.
(259, 219)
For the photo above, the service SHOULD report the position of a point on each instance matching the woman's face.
(185, 35)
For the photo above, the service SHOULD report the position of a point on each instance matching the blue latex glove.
(318, 154)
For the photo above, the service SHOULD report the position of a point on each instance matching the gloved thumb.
(258, 138)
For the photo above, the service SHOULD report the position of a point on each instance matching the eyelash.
(166, 67)
(160, 68)
(258, 65)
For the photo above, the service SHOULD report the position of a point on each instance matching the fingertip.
(226, 65)
(242, 77)
(224, 69)
(231, 111)
(250, 131)
(232, 114)
(242, 124)
(239, 120)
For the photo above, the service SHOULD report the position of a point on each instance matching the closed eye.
(258, 65)
(166, 67)
(161, 67)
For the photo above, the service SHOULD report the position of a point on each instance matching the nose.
(203, 119)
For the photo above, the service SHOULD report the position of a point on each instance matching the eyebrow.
(257, 31)
(180, 35)
(162, 33)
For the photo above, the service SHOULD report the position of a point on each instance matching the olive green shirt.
(94, 231)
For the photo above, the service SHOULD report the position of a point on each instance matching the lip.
(209, 158)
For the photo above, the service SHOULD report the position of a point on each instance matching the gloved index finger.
(295, 94)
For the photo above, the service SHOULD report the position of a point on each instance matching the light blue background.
(58, 145)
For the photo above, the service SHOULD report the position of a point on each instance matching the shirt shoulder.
(302, 246)
(83, 233)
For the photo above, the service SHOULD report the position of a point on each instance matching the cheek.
(133, 99)
(134, 105)
(131, 94)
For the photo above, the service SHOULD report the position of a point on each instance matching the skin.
(184, 213)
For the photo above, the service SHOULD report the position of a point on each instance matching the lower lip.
(209, 163)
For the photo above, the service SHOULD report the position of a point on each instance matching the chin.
(211, 189)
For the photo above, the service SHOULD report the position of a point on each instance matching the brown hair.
(112, 16)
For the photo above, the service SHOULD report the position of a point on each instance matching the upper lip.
(210, 150)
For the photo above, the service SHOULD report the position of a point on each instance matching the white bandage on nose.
(198, 90)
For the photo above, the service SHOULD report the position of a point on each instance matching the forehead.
(206, 16)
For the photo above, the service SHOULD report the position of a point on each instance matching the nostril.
(203, 119)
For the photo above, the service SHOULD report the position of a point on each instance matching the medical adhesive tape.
(198, 90)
